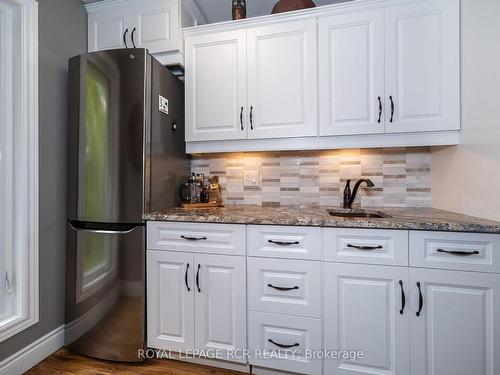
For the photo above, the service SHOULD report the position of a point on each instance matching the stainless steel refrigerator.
(126, 156)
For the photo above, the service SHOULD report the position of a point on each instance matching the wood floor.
(66, 362)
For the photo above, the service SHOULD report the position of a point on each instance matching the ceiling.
(220, 10)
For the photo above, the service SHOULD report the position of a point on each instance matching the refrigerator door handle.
(128, 228)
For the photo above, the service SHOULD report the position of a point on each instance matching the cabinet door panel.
(157, 25)
(362, 310)
(170, 312)
(459, 326)
(422, 66)
(106, 30)
(281, 63)
(351, 71)
(221, 303)
(216, 86)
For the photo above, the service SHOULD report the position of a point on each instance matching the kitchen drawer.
(226, 239)
(268, 331)
(284, 286)
(372, 246)
(285, 242)
(455, 251)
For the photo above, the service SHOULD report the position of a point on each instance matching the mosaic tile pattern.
(317, 178)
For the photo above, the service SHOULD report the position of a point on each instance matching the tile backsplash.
(317, 178)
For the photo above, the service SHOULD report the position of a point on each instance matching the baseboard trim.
(217, 363)
(34, 353)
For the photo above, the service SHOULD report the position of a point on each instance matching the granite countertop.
(398, 218)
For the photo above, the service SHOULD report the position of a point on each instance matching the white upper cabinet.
(274, 65)
(455, 324)
(216, 86)
(157, 25)
(282, 81)
(106, 29)
(422, 67)
(152, 24)
(351, 73)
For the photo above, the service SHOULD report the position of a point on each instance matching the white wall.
(466, 178)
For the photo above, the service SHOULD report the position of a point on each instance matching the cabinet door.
(216, 86)
(106, 30)
(422, 66)
(157, 25)
(220, 304)
(351, 73)
(282, 80)
(458, 329)
(363, 310)
(170, 295)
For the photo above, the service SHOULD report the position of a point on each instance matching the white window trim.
(26, 279)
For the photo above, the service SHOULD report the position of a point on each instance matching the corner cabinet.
(152, 24)
(358, 74)
(253, 83)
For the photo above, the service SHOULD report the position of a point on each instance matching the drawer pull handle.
(420, 299)
(194, 238)
(241, 118)
(365, 248)
(379, 109)
(459, 253)
(282, 345)
(251, 117)
(403, 297)
(186, 278)
(392, 109)
(282, 288)
(283, 243)
(198, 278)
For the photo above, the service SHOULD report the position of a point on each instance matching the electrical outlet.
(251, 178)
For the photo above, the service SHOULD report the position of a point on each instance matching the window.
(18, 166)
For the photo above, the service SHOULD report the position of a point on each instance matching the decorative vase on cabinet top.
(289, 5)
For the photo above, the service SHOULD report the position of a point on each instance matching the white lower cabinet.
(170, 310)
(197, 301)
(420, 303)
(282, 342)
(364, 309)
(457, 329)
(220, 305)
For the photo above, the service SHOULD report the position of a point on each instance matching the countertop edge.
(393, 224)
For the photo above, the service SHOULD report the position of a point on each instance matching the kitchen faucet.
(348, 196)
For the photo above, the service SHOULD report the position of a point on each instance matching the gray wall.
(62, 34)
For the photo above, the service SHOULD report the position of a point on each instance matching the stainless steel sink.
(357, 213)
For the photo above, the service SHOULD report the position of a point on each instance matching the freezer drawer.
(105, 291)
